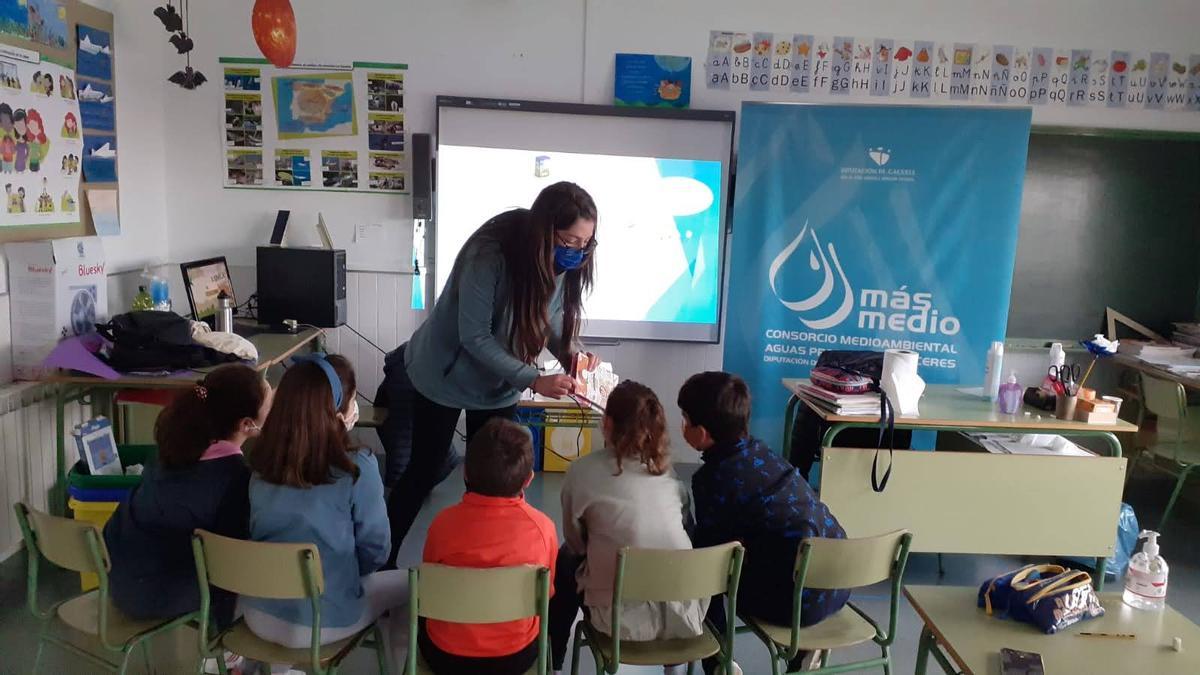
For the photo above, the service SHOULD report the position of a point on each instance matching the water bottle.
(224, 316)
(160, 294)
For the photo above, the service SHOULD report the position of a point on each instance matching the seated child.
(747, 493)
(623, 495)
(199, 481)
(311, 486)
(493, 526)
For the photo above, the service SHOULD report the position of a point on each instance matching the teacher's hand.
(553, 386)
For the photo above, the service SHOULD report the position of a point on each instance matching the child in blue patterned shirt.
(747, 493)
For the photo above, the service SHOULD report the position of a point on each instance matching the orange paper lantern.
(274, 26)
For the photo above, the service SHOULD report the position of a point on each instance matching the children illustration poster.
(648, 80)
(40, 148)
(336, 128)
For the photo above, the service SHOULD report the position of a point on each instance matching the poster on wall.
(40, 146)
(652, 81)
(316, 128)
(830, 67)
(899, 233)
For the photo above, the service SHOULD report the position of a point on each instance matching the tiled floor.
(1180, 545)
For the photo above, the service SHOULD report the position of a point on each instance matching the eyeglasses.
(586, 247)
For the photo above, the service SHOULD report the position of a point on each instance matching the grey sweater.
(460, 357)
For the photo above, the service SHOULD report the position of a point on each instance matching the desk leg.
(926, 643)
(58, 496)
(1101, 564)
(789, 419)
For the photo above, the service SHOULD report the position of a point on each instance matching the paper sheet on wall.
(850, 67)
(41, 152)
(314, 128)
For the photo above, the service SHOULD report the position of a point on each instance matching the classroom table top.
(1135, 363)
(273, 348)
(973, 639)
(944, 406)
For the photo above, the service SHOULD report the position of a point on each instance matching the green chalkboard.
(1108, 219)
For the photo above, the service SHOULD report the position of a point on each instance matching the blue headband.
(335, 382)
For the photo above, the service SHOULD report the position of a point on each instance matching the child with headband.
(198, 480)
(310, 485)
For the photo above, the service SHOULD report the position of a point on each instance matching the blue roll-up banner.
(871, 227)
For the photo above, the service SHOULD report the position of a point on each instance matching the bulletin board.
(313, 128)
(37, 141)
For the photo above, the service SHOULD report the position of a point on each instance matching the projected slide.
(659, 232)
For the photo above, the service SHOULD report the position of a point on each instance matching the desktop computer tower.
(305, 284)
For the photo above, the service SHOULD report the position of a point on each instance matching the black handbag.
(869, 365)
(152, 341)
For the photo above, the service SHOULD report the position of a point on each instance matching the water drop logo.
(880, 155)
(818, 261)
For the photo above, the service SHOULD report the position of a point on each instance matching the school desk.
(964, 640)
(1134, 363)
(273, 349)
(944, 408)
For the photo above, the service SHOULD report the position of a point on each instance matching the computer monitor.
(204, 280)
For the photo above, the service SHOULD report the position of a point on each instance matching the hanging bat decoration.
(178, 25)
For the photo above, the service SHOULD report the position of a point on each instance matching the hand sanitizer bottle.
(1146, 580)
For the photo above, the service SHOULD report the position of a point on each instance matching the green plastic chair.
(79, 547)
(666, 575)
(839, 563)
(477, 595)
(1177, 445)
(277, 571)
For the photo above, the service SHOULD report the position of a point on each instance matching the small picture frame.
(99, 448)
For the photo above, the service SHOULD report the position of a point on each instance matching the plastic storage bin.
(95, 498)
(97, 513)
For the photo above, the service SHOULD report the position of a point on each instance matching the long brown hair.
(526, 238)
(639, 427)
(208, 412)
(303, 440)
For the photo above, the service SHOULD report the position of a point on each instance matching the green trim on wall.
(344, 191)
(1125, 134)
(377, 64)
(241, 59)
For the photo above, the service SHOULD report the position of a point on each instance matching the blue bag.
(1127, 539)
(1050, 597)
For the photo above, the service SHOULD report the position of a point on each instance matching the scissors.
(1065, 376)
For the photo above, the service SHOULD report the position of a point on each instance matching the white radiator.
(28, 457)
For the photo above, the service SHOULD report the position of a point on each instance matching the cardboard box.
(57, 289)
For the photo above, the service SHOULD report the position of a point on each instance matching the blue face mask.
(567, 258)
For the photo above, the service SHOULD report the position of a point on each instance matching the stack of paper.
(839, 404)
(1187, 334)
(1029, 444)
(1155, 353)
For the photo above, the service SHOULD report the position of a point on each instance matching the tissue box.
(57, 288)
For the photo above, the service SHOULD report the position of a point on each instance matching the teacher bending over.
(516, 288)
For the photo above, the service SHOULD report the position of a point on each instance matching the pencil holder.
(1064, 407)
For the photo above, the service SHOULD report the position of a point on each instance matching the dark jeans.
(445, 663)
(433, 427)
(564, 606)
(396, 394)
